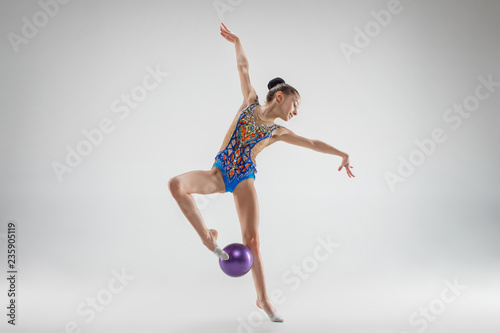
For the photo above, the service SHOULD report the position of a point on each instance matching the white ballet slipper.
(218, 251)
(275, 317)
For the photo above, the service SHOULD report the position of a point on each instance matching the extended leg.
(247, 207)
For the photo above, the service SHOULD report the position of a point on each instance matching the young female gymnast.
(234, 169)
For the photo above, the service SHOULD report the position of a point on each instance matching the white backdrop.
(103, 101)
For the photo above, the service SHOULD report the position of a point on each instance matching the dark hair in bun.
(274, 82)
(278, 84)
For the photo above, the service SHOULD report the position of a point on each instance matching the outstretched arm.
(288, 136)
(248, 91)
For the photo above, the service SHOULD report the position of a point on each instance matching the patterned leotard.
(236, 159)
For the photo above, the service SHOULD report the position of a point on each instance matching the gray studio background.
(399, 246)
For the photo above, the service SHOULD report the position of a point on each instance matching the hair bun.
(274, 82)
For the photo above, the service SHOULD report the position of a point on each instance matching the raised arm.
(286, 135)
(248, 91)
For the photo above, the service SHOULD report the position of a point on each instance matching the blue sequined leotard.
(236, 160)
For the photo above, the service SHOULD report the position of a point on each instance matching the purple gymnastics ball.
(240, 260)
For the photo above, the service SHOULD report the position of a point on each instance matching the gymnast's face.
(289, 106)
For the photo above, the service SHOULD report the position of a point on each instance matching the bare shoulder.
(279, 132)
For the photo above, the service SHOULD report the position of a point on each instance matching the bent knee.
(175, 186)
(252, 242)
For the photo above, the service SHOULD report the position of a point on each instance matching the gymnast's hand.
(224, 31)
(345, 164)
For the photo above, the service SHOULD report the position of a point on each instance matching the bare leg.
(202, 182)
(247, 207)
